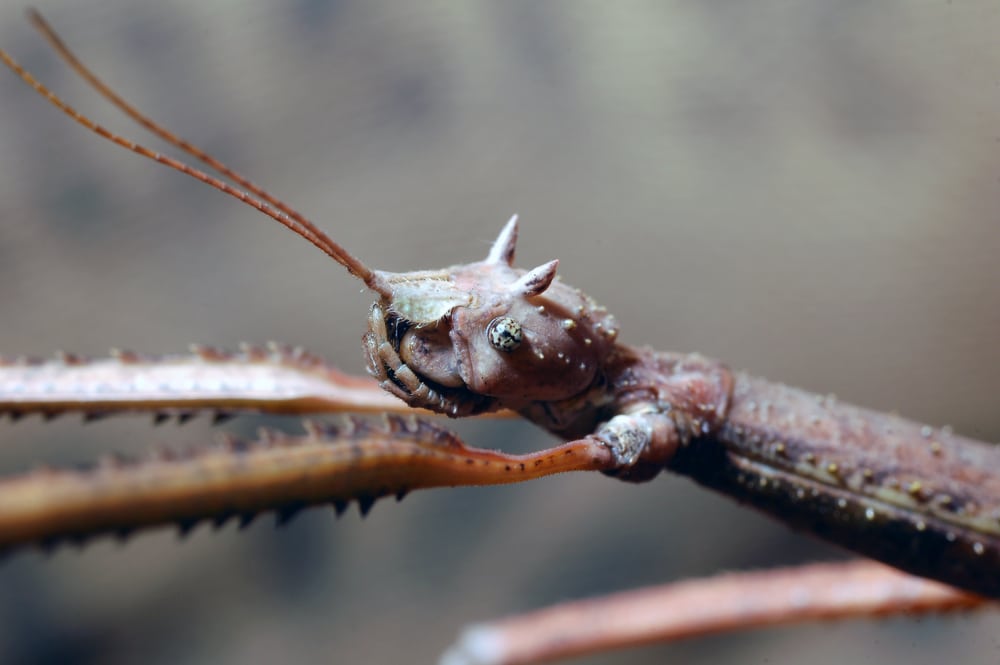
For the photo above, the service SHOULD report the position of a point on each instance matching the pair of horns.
(533, 282)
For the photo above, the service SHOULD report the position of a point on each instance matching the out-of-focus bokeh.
(809, 190)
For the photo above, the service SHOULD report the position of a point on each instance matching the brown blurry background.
(808, 190)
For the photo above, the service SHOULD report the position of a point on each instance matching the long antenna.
(257, 197)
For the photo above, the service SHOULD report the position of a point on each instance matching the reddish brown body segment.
(921, 499)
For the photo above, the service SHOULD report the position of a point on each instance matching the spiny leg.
(272, 378)
(351, 461)
(696, 608)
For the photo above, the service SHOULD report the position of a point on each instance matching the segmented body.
(919, 498)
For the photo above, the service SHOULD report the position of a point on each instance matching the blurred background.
(808, 190)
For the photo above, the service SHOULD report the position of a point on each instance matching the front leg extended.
(331, 463)
(647, 405)
(641, 441)
(913, 496)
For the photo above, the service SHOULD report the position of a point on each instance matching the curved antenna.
(257, 198)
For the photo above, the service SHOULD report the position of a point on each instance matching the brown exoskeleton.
(485, 336)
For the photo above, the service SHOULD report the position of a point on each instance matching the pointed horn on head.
(536, 280)
(503, 247)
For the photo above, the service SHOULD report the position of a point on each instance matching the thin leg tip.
(476, 645)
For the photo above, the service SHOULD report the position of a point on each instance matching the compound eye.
(505, 334)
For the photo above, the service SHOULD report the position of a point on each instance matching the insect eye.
(505, 334)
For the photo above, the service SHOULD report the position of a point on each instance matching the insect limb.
(270, 378)
(704, 607)
(397, 378)
(653, 403)
(353, 460)
(641, 441)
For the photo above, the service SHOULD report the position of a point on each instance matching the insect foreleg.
(640, 441)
